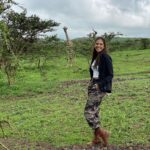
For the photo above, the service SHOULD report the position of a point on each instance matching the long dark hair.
(96, 55)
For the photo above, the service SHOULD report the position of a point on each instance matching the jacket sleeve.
(91, 72)
(109, 69)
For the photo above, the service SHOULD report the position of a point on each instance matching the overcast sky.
(130, 17)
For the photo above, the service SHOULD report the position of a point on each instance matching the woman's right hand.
(97, 87)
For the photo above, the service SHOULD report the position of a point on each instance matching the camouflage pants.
(92, 107)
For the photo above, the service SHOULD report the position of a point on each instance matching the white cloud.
(131, 17)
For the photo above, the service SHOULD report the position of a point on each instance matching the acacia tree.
(24, 31)
(18, 35)
(109, 36)
(4, 35)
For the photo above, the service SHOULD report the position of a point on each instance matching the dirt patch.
(13, 144)
(110, 147)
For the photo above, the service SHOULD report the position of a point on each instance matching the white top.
(95, 70)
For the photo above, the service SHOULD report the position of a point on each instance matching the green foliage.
(109, 36)
(8, 60)
(119, 44)
(84, 47)
(5, 5)
(145, 43)
(18, 35)
(24, 30)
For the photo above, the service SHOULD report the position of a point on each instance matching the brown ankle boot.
(104, 135)
(96, 139)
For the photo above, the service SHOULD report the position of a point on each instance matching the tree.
(24, 31)
(109, 36)
(144, 43)
(18, 35)
(4, 34)
(5, 5)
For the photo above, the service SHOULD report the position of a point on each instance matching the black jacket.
(105, 73)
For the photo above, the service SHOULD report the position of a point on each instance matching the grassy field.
(48, 108)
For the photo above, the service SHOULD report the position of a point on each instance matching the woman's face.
(99, 45)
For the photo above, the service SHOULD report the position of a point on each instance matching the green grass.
(52, 111)
(31, 81)
(128, 62)
(58, 119)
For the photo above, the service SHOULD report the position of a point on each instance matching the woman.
(101, 71)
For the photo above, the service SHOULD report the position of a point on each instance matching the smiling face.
(99, 45)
